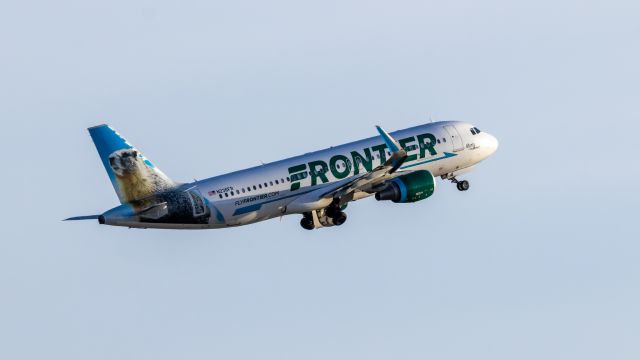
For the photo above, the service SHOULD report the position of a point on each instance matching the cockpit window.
(478, 130)
(473, 131)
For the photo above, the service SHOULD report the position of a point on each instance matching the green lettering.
(297, 169)
(404, 143)
(358, 159)
(340, 173)
(297, 175)
(430, 145)
(381, 149)
(318, 173)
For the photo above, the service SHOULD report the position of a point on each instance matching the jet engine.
(409, 188)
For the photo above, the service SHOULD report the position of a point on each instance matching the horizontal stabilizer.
(87, 217)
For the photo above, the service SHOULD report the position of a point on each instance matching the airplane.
(400, 167)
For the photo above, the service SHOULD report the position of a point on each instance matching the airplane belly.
(244, 219)
(261, 212)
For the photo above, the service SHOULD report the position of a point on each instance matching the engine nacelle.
(409, 188)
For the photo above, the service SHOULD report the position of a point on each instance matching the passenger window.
(243, 190)
(300, 176)
(444, 140)
(265, 185)
(220, 196)
(226, 194)
(271, 183)
(277, 182)
(438, 141)
(288, 179)
(260, 186)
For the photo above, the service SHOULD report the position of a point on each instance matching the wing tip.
(98, 126)
(392, 143)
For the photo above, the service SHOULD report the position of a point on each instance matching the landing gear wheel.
(463, 185)
(339, 218)
(307, 223)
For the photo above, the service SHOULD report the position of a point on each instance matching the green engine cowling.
(409, 188)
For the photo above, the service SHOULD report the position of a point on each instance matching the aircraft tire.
(339, 218)
(463, 185)
(307, 224)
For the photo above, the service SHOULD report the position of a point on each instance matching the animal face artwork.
(136, 177)
(125, 162)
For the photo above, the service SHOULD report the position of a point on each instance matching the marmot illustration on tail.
(136, 179)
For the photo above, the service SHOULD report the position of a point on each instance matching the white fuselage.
(291, 186)
(264, 192)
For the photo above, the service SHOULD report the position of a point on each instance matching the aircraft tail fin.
(133, 176)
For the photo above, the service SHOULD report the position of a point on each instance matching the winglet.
(393, 145)
(398, 154)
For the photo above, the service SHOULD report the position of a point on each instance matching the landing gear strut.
(462, 185)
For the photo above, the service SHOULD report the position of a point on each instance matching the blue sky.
(538, 260)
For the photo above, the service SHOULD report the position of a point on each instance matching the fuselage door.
(455, 137)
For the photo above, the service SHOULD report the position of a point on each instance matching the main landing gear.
(331, 216)
(462, 185)
(335, 213)
(307, 222)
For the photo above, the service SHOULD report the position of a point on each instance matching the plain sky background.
(540, 260)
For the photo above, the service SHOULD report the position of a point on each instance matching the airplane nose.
(491, 144)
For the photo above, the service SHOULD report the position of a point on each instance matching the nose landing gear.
(461, 185)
